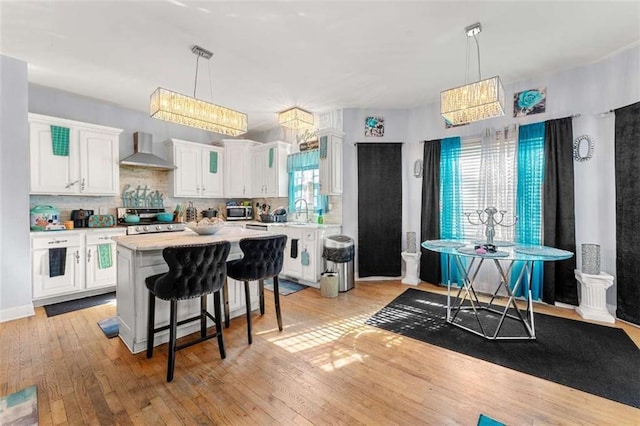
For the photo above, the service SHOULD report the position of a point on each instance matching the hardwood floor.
(326, 367)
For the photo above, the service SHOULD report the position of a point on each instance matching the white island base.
(140, 256)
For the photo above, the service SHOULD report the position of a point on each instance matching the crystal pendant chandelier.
(475, 101)
(296, 118)
(189, 111)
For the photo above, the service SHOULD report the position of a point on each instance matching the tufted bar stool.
(194, 271)
(263, 258)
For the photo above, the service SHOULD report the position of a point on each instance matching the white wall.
(15, 274)
(590, 90)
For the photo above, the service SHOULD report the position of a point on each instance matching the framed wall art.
(374, 126)
(529, 102)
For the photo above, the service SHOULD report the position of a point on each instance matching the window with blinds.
(488, 179)
(306, 186)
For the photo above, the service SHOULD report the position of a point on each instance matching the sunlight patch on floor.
(336, 356)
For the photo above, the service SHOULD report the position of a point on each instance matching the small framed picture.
(374, 126)
(529, 102)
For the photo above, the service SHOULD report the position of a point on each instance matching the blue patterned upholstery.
(263, 258)
(193, 271)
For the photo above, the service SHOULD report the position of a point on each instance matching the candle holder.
(488, 218)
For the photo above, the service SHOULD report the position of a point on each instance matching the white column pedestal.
(593, 296)
(411, 263)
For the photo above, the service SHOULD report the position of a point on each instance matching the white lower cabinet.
(306, 264)
(100, 273)
(68, 276)
(292, 266)
(82, 273)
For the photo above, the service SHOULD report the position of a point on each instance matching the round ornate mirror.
(582, 148)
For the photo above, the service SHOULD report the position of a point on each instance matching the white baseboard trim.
(16, 312)
(357, 278)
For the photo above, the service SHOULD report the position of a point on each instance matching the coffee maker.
(81, 218)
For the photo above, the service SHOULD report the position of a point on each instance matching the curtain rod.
(378, 143)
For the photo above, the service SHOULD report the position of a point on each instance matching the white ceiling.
(320, 55)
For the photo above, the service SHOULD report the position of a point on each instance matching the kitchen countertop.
(295, 224)
(119, 229)
(148, 242)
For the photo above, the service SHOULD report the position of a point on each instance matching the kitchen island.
(140, 256)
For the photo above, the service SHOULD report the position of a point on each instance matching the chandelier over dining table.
(474, 101)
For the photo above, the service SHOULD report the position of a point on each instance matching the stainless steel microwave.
(239, 212)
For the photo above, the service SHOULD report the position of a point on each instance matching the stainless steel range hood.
(142, 156)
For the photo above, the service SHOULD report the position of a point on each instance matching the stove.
(148, 223)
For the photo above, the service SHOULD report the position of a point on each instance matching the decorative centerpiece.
(488, 218)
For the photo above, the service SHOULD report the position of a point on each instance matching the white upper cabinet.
(199, 170)
(238, 168)
(331, 176)
(88, 167)
(269, 167)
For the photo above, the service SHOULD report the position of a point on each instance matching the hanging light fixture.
(189, 111)
(475, 101)
(295, 118)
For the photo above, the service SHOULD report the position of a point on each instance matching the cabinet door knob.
(89, 256)
(82, 185)
(77, 256)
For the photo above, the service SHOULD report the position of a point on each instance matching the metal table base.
(467, 293)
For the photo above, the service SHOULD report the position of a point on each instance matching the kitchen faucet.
(306, 208)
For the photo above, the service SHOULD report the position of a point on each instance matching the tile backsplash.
(158, 180)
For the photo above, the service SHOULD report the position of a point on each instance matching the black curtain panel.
(379, 209)
(430, 214)
(627, 141)
(559, 212)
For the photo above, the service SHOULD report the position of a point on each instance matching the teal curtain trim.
(530, 157)
(213, 162)
(450, 199)
(303, 161)
(60, 140)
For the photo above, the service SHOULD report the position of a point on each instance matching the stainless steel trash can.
(338, 253)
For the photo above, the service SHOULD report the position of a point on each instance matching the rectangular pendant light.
(473, 102)
(181, 109)
(295, 118)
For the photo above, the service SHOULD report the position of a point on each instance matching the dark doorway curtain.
(559, 212)
(627, 141)
(430, 215)
(379, 209)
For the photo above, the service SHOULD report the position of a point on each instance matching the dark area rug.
(592, 358)
(75, 305)
(285, 287)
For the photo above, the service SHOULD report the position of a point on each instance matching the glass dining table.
(489, 319)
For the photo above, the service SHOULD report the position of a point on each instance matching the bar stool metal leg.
(225, 298)
(276, 296)
(247, 298)
(218, 312)
(173, 327)
(203, 316)
(151, 319)
(261, 291)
